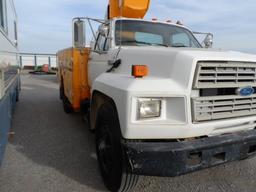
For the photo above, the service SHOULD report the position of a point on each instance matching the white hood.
(177, 64)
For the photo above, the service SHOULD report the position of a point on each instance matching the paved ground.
(54, 152)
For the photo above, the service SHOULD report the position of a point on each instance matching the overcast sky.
(45, 26)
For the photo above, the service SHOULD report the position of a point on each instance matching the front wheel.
(112, 162)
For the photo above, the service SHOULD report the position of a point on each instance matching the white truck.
(161, 104)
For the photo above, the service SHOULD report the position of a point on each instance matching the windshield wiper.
(138, 42)
(159, 44)
(145, 43)
(179, 45)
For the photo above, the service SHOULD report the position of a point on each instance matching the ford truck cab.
(161, 104)
(165, 49)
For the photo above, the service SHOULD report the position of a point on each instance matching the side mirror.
(15, 43)
(79, 40)
(104, 31)
(208, 41)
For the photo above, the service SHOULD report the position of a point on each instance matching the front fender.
(122, 89)
(115, 88)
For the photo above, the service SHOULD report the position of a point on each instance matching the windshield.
(143, 33)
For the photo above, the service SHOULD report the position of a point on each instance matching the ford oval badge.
(245, 91)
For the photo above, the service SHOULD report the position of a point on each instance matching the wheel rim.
(105, 149)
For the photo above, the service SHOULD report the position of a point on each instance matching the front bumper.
(177, 158)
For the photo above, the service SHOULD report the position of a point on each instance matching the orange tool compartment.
(73, 74)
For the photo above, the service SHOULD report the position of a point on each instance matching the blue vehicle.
(9, 69)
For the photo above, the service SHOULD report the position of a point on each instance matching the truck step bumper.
(171, 159)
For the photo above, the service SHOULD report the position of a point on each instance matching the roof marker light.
(179, 23)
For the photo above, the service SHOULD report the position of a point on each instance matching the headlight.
(149, 108)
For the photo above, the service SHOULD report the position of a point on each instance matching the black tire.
(61, 91)
(113, 165)
(67, 105)
(17, 95)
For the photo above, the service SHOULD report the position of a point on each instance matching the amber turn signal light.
(139, 71)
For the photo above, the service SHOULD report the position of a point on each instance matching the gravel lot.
(54, 152)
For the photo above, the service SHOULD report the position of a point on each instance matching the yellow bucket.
(128, 8)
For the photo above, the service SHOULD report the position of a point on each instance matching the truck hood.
(177, 64)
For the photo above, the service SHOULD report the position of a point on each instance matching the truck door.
(99, 58)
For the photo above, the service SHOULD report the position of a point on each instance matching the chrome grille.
(225, 74)
(222, 107)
